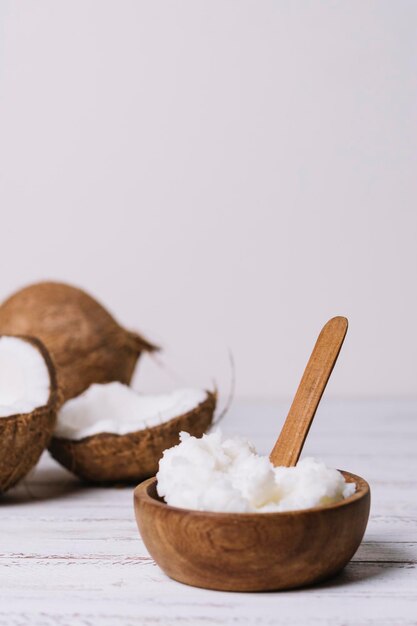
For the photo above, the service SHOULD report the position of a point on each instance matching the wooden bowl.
(252, 551)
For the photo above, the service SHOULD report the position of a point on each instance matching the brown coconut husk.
(107, 458)
(85, 342)
(24, 437)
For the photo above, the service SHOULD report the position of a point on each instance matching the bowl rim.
(141, 493)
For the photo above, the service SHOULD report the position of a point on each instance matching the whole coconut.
(86, 343)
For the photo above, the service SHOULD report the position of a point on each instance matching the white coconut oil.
(227, 475)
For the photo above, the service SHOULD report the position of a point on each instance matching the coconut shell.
(24, 437)
(130, 458)
(85, 342)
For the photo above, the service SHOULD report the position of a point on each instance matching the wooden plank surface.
(71, 554)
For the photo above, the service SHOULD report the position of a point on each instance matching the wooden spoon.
(290, 442)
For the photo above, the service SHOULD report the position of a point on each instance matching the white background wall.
(222, 174)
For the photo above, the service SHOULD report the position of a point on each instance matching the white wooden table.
(71, 554)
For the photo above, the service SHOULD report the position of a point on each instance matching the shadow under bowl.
(252, 551)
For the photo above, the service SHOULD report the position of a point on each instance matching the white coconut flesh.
(24, 377)
(117, 409)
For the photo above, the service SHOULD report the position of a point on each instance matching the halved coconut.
(113, 434)
(28, 401)
(87, 345)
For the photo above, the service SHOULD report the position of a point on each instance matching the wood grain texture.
(290, 442)
(71, 554)
(252, 552)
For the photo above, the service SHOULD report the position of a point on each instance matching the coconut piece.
(28, 402)
(135, 430)
(85, 342)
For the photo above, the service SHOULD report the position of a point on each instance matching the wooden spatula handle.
(310, 390)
